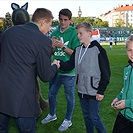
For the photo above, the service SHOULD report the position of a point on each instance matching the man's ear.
(25, 7)
(14, 6)
(43, 21)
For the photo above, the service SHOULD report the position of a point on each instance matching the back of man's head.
(42, 13)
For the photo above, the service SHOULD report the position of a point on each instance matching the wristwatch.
(63, 48)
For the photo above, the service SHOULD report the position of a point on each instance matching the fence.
(120, 33)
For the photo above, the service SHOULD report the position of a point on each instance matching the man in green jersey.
(64, 41)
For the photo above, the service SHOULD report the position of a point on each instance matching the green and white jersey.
(69, 39)
(127, 93)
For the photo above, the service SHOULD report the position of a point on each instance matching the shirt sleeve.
(44, 69)
(129, 103)
(105, 71)
(68, 65)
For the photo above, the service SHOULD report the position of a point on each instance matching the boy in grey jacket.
(93, 75)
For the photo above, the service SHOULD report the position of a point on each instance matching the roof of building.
(119, 9)
(124, 8)
(1, 18)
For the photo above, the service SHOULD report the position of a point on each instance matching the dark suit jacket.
(0, 47)
(25, 54)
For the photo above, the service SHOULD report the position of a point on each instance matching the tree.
(55, 23)
(96, 22)
(7, 21)
(104, 24)
(119, 22)
(1, 25)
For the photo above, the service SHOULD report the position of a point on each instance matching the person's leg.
(91, 114)
(26, 124)
(4, 123)
(54, 87)
(94, 115)
(121, 125)
(69, 85)
(110, 45)
(131, 127)
(86, 109)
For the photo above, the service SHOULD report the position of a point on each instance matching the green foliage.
(118, 59)
(119, 22)
(55, 23)
(7, 21)
(96, 22)
(1, 25)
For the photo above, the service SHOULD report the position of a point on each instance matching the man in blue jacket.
(25, 54)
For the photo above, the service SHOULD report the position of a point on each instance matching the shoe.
(49, 118)
(65, 125)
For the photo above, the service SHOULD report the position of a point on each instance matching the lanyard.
(81, 57)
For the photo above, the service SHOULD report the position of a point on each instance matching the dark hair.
(66, 12)
(42, 13)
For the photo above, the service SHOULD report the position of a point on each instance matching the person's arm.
(58, 43)
(105, 71)
(118, 98)
(45, 70)
(67, 50)
(119, 103)
(74, 43)
(68, 65)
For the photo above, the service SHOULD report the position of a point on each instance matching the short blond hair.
(129, 39)
(85, 25)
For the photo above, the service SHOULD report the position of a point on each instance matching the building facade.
(122, 14)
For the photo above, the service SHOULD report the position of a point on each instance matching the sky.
(88, 7)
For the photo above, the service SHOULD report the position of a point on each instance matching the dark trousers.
(90, 108)
(24, 124)
(122, 125)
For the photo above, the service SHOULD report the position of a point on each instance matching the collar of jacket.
(35, 24)
(130, 62)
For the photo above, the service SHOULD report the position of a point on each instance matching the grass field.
(118, 59)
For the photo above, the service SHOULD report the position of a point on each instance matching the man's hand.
(56, 62)
(56, 42)
(53, 42)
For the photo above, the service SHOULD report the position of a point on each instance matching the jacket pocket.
(94, 83)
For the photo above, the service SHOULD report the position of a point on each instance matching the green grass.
(118, 59)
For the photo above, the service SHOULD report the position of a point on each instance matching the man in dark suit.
(0, 46)
(26, 54)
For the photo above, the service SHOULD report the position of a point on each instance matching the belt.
(85, 96)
